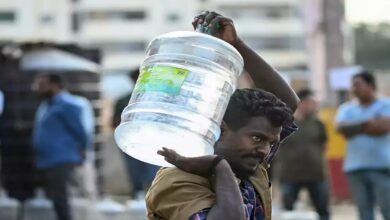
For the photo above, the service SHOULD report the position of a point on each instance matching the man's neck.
(367, 101)
(51, 97)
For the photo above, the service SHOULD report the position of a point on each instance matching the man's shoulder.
(176, 181)
(66, 105)
(347, 107)
(168, 176)
(349, 104)
(69, 104)
(384, 100)
(176, 194)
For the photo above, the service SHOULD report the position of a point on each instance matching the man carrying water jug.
(233, 183)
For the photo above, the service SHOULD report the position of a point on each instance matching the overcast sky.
(370, 11)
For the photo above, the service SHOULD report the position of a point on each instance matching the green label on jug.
(165, 79)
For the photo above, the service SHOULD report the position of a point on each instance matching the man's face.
(43, 87)
(247, 147)
(361, 89)
(308, 106)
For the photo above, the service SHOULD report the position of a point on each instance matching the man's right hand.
(217, 26)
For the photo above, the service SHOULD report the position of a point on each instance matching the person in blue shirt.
(59, 139)
(365, 122)
(84, 175)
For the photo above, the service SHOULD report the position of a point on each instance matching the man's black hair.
(248, 103)
(367, 77)
(133, 74)
(304, 94)
(54, 78)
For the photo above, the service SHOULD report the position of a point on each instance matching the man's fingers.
(226, 21)
(209, 17)
(162, 153)
(195, 23)
(168, 155)
(216, 24)
(201, 17)
(170, 160)
(213, 18)
(166, 152)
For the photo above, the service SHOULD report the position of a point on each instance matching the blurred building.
(122, 28)
(275, 29)
(35, 20)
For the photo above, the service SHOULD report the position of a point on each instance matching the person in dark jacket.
(140, 174)
(301, 158)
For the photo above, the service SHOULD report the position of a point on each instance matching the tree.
(372, 43)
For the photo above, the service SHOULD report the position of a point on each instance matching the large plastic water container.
(178, 102)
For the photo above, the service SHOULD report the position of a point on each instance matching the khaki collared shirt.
(177, 195)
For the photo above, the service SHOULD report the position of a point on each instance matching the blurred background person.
(1, 112)
(83, 177)
(140, 174)
(365, 122)
(301, 158)
(59, 139)
(1, 102)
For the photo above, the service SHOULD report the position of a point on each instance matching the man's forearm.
(378, 126)
(350, 130)
(228, 196)
(266, 77)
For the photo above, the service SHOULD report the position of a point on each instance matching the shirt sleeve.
(286, 132)
(179, 195)
(342, 114)
(201, 215)
(386, 108)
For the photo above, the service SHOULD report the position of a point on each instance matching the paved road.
(340, 211)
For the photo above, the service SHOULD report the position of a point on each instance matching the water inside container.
(178, 102)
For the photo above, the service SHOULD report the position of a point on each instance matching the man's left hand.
(196, 165)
